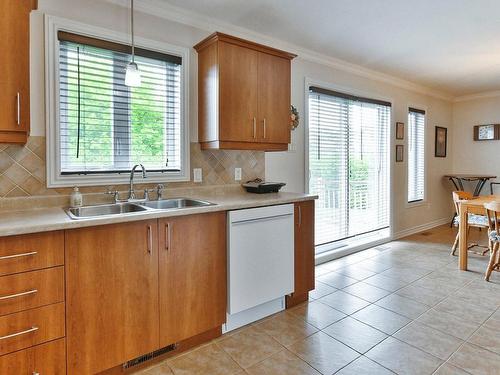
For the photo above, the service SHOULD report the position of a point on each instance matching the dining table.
(471, 206)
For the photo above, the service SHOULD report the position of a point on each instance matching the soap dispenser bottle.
(76, 199)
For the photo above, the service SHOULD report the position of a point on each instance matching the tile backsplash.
(23, 174)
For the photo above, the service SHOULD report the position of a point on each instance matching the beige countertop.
(55, 218)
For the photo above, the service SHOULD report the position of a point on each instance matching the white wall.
(283, 166)
(472, 156)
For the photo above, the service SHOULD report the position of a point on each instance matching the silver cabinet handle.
(150, 239)
(264, 128)
(254, 128)
(19, 294)
(18, 113)
(31, 330)
(167, 236)
(300, 215)
(18, 255)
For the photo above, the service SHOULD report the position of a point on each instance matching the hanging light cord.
(132, 27)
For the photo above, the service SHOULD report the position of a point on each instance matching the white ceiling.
(452, 46)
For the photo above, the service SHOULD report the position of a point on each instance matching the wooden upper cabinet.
(111, 295)
(238, 76)
(15, 70)
(244, 93)
(192, 275)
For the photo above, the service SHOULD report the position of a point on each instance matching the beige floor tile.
(323, 353)
(161, 369)
(209, 359)
(387, 283)
(355, 334)
(381, 319)
(408, 274)
(402, 358)
(317, 314)
(447, 369)
(336, 280)
(366, 291)
(356, 272)
(476, 360)
(429, 340)
(250, 346)
(321, 290)
(364, 366)
(403, 306)
(344, 302)
(487, 337)
(372, 265)
(448, 323)
(286, 328)
(422, 295)
(462, 308)
(282, 363)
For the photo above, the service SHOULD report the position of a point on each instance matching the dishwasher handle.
(260, 219)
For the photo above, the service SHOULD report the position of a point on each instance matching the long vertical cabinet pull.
(18, 109)
(300, 214)
(254, 128)
(264, 123)
(150, 240)
(167, 236)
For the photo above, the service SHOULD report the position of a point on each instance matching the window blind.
(107, 127)
(416, 155)
(348, 164)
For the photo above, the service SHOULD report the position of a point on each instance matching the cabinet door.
(14, 65)
(274, 99)
(192, 275)
(237, 93)
(304, 247)
(111, 294)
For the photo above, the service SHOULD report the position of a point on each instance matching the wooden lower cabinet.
(192, 275)
(304, 252)
(111, 295)
(45, 359)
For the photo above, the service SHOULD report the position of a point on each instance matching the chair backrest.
(460, 196)
(492, 187)
(493, 214)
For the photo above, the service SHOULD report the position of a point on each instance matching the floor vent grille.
(149, 356)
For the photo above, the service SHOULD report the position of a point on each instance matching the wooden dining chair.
(493, 215)
(473, 220)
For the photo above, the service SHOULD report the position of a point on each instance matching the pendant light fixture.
(132, 74)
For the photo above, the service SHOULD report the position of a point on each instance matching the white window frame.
(54, 177)
(422, 202)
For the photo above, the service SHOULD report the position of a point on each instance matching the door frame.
(308, 82)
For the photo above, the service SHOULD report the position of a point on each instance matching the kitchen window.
(101, 127)
(348, 167)
(416, 155)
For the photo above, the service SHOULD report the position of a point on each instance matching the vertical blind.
(107, 127)
(416, 155)
(348, 164)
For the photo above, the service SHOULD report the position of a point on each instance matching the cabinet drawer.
(45, 359)
(32, 327)
(28, 290)
(31, 252)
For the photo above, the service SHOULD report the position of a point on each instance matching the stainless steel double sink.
(126, 208)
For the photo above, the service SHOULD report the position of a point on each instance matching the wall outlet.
(197, 175)
(237, 174)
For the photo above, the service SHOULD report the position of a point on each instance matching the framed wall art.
(440, 142)
(400, 130)
(488, 132)
(400, 150)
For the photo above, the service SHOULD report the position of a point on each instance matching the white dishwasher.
(260, 262)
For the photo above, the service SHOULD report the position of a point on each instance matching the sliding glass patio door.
(348, 165)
